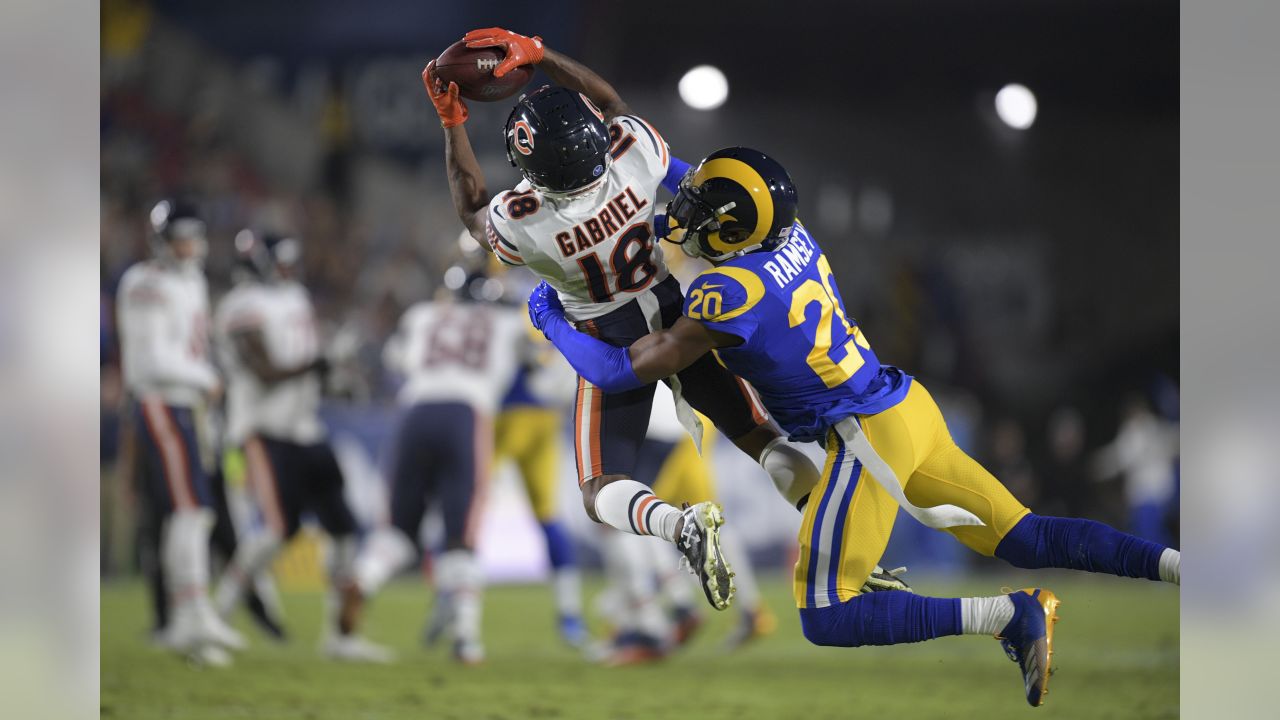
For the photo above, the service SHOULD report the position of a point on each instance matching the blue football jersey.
(806, 357)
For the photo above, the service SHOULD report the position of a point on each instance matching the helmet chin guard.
(736, 201)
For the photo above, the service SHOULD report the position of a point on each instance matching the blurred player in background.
(266, 329)
(458, 357)
(582, 219)
(769, 309)
(685, 474)
(163, 318)
(527, 433)
(648, 601)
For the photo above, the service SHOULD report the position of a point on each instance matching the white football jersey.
(459, 352)
(288, 410)
(163, 314)
(598, 251)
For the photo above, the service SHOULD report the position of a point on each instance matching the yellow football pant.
(685, 476)
(849, 516)
(530, 437)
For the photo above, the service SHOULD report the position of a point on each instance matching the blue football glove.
(544, 305)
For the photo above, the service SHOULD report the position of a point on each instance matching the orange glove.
(449, 106)
(520, 50)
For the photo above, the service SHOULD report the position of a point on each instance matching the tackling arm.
(617, 369)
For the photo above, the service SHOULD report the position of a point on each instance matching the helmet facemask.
(690, 219)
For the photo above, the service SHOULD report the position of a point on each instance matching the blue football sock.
(882, 618)
(1077, 544)
(559, 545)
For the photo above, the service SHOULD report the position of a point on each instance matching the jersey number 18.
(630, 261)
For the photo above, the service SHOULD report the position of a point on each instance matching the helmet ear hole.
(735, 235)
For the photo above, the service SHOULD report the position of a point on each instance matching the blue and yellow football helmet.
(736, 201)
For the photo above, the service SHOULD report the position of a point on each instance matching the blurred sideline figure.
(528, 432)
(582, 219)
(163, 316)
(1143, 452)
(266, 331)
(648, 601)
(458, 355)
(770, 310)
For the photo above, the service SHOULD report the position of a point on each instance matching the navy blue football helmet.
(173, 218)
(736, 201)
(558, 139)
(267, 256)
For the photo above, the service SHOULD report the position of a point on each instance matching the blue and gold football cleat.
(1028, 639)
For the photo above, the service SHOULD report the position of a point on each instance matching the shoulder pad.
(723, 293)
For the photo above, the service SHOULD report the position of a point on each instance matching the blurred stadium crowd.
(1072, 406)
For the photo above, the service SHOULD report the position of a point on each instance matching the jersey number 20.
(809, 292)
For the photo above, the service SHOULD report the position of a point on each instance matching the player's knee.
(1022, 546)
(829, 626)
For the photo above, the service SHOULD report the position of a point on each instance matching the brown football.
(472, 69)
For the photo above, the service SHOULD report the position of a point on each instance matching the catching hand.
(520, 50)
(449, 106)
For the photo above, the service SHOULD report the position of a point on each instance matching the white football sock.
(385, 553)
(567, 585)
(627, 559)
(985, 615)
(748, 593)
(253, 554)
(457, 575)
(676, 586)
(185, 554)
(633, 508)
(1171, 566)
(792, 472)
(340, 558)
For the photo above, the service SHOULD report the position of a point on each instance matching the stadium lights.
(1016, 106)
(704, 88)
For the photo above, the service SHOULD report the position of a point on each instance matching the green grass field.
(1117, 657)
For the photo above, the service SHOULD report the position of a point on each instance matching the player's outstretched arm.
(466, 181)
(562, 70)
(572, 74)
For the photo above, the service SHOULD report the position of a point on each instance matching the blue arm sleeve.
(601, 364)
(675, 171)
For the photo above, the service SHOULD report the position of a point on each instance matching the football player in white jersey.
(163, 317)
(457, 358)
(583, 220)
(266, 331)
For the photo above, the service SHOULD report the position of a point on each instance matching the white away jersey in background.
(164, 332)
(288, 410)
(459, 352)
(599, 251)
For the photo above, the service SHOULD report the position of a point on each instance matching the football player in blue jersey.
(770, 310)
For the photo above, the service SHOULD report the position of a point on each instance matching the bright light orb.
(704, 88)
(1016, 106)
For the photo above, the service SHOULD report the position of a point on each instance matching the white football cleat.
(354, 648)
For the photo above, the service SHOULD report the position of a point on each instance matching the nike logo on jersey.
(607, 223)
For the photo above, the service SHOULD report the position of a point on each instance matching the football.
(472, 69)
